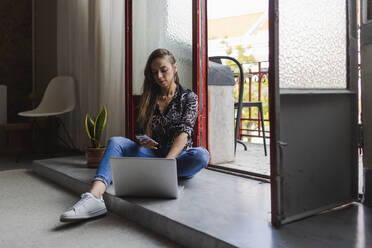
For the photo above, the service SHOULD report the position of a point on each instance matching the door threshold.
(240, 173)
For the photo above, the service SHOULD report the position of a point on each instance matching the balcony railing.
(255, 90)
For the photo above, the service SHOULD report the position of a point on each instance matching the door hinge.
(360, 136)
(282, 144)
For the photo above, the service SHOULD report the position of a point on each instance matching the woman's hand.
(148, 143)
(178, 145)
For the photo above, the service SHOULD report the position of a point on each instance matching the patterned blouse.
(179, 116)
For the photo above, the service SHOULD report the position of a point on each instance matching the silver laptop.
(144, 177)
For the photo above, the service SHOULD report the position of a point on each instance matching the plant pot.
(94, 156)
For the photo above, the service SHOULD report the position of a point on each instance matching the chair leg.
(35, 133)
(236, 133)
(43, 139)
(242, 143)
(71, 145)
(263, 128)
(52, 131)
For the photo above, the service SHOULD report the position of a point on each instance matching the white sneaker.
(89, 206)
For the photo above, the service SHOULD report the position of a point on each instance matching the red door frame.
(273, 84)
(199, 70)
(129, 108)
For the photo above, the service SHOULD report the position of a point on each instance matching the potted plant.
(94, 128)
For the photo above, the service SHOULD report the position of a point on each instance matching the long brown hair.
(151, 90)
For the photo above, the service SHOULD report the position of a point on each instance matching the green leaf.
(89, 127)
(99, 125)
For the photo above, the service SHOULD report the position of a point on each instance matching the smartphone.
(145, 137)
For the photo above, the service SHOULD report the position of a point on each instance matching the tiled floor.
(237, 210)
(234, 209)
(252, 160)
(30, 208)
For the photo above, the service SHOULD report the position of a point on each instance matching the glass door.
(366, 77)
(177, 26)
(313, 76)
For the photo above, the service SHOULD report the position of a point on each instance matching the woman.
(167, 114)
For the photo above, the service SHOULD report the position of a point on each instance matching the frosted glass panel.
(162, 24)
(312, 44)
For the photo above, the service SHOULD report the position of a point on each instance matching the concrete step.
(213, 210)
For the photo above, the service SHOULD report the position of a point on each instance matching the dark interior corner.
(16, 55)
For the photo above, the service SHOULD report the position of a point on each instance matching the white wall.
(221, 123)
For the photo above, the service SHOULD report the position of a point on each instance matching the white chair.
(59, 98)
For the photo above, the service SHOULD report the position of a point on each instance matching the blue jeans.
(189, 162)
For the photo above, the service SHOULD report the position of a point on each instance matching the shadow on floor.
(9, 162)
